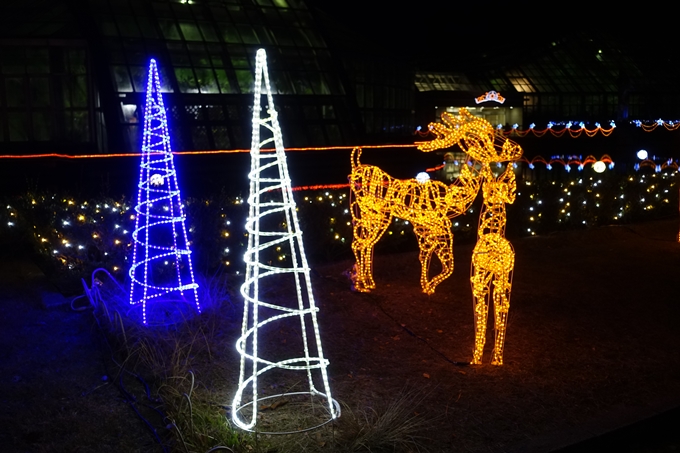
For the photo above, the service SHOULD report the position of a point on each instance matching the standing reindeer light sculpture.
(493, 258)
(376, 197)
(493, 261)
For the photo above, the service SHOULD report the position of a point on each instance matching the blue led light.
(160, 234)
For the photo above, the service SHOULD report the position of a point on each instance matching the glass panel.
(208, 32)
(262, 34)
(237, 13)
(139, 78)
(230, 34)
(178, 55)
(148, 29)
(206, 80)
(128, 27)
(223, 81)
(232, 112)
(220, 137)
(166, 86)
(319, 83)
(200, 138)
(108, 28)
(190, 31)
(199, 56)
(247, 34)
(40, 91)
(334, 134)
(186, 80)
(215, 112)
(15, 92)
(217, 60)
(169, 29)
(328, 112)
(300, 83)
(130, 113)
(283, 36)
(314, 39)
(74, 91)
(76, 61)
(240, 62)
(316, 135)
(245, 80)
(280, 82)
(18, 126)
(134, 133)
(37, 61)
(41, 126)
(310, 111)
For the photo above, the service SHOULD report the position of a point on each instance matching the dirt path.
(53, 397)
(592, 344)
(592, 340)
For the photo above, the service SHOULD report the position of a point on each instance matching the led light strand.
(271, 194)
(160, 232)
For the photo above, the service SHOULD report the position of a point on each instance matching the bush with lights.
(75, 236)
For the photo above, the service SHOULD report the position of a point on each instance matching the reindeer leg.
(426, 247)
(444, 251)
(368, 229)
(480, 280)
(501, 304)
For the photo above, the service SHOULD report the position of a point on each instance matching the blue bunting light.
(161, 259)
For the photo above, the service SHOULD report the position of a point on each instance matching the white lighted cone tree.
(161, 271)
(280, 344)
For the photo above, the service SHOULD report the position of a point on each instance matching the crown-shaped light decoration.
(279, 310)
(161, 270)
(490, 96)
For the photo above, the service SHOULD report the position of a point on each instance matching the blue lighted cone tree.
(279, 310)
(161, 272)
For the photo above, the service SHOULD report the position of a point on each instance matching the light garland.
(493, 262)
(271, 198)
(649, 126)
(159, 237)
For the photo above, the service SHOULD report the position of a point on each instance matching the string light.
(160, 235)
(271, 198)
(649, 126)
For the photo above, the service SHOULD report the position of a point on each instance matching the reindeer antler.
(475, 136)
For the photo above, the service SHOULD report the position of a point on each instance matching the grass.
(190, 369)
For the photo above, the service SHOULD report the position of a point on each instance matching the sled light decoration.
(272, 224)
(160, 236)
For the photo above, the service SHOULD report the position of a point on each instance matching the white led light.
(271, 198)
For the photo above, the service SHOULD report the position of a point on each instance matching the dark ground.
(592, 346)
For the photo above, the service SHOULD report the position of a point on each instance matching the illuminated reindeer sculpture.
(493, 260)
(429, 205)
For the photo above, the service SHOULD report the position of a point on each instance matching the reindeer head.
(499, 189)
(475, 136)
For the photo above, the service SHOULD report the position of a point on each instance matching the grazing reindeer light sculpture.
(429, 205)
